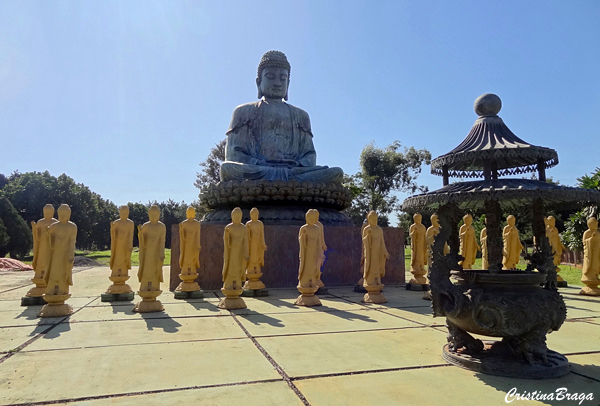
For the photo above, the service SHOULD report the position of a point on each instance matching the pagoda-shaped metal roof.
(491, 144)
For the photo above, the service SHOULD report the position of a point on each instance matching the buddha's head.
(551, 221)
(417, 218)
(311, 217)
(435, 221)
(372, 218)
(236, 215)
(154, 213)
(273, 76)
(511, 220)
(468, 219)
(254, 214)
(124, 212)
(64, 213)
(48, 211)
(190, 213)
(592, 223)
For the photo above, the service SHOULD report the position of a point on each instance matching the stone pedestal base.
(255, 293)
(119, 286)
(182, 295)
(188, 287)
(254, 285)
(590, 291)
(486, 363)
(39, 290)
(418, 280)
(232, 299)
(374, 294)
(307, 297)
(56, 306)
(417, 287)
(32, 301)
(119, 297)
(149, 304)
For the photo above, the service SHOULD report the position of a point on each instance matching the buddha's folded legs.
(238, 171)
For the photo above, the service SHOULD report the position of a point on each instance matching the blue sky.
(128, 97)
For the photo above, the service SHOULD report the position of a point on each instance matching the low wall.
(341, 267)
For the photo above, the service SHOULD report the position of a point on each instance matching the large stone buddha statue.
(270, 139)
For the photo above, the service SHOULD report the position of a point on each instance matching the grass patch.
(103, 257)
(569, 273)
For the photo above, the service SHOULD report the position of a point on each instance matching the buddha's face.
(273, 83)
(64, 213)
(48, 211)
(593, 224)
(417, 218)
(372, 218)
(435, 221)
(468, 219)
(190, 213)
(254, 214)
(124, 212)
(154, 214)
(511, 220)
(551, 221)
(236, 216)
(311, 218)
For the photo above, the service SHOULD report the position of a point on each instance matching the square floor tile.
(309, 355)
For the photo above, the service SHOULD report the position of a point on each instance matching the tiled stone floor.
(272, 353)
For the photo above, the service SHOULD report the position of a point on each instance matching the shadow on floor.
(167, 324)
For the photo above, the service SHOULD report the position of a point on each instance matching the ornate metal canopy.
(491, 149)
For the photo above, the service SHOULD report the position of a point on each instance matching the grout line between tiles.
(277, 367)
(368, 371)
(128, 394)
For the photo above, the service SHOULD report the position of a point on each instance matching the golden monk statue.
(59, 272)
(235, 260)
(484, 249)
(512, 244)
(310, 238)
(271, 139)
(591, 259)
(468, 243)
(556, 244)
(432, 232)
(418, 245)
(256, 241)
(151, 236)
(41, 251)
(375, 255)
(189, 255)
(320, 283)
(121, 246)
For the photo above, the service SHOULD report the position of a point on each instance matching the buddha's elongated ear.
(260, 95)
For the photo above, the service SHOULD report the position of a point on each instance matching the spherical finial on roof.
(487, 104)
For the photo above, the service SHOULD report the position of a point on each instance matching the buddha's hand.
(283, 162)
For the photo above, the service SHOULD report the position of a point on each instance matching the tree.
(4, 237)
(211, 166)
(384, 171)
(20, 238)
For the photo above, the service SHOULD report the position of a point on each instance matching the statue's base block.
(359, 289)
(32, 301)
(374, 297)
(486, 363)
(305, 300)
(119, 289)
(586, 290)
(231, 303)
(56, 310)
(181, 295)
(255, 293)
(149, 306)
(417, 287)
(117, 297)
(562, 284)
